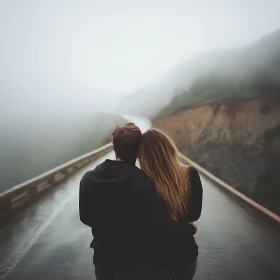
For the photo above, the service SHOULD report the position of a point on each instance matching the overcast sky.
(118, 46)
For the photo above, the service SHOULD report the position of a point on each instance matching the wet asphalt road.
(48, 241)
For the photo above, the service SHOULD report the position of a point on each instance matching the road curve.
(48, 241)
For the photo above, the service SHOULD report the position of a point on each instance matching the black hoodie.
(121, 205)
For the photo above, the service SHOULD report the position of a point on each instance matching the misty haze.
(207, 73)
(70, 71)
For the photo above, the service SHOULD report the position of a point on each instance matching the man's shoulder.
(88, 174)
(86, 179)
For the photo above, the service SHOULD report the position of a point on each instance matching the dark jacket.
(121, 205)
(170, 251)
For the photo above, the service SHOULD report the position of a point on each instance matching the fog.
(62, 62)
(119, 46)
(219, 75)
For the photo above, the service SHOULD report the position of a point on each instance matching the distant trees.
(218, 86)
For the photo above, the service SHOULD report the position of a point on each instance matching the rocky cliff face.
(238, 141)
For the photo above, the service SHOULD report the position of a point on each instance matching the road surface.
(48, 242)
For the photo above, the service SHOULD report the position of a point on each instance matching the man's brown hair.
(126, 140)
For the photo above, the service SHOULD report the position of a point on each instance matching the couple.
(142, 220)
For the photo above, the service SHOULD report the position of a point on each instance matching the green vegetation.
(216, 76)
(230, 75)
(213, 89)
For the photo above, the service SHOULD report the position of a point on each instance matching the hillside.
(218, 75)
(224, 113)
(31, 146)
(238, 141)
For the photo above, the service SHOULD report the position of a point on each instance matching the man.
(121, 205)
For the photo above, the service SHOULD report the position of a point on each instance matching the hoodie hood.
(112, 172)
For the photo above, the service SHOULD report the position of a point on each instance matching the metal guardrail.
(20, 196)
(234, 191)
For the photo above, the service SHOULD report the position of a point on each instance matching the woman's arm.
(159, 218)
(195, 204)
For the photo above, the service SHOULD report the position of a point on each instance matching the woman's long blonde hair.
(162, 162)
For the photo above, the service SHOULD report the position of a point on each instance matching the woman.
(180, 188)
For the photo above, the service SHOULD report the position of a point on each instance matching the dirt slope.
(239, 141)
